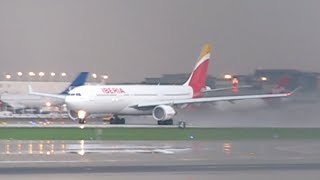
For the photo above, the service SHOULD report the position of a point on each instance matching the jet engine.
(163, 112)
(73, 115)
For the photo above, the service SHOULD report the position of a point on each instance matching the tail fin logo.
(198, 77)
(78, 81)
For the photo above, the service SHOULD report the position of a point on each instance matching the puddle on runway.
(83, 147)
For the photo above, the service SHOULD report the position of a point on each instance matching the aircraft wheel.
(82, 121)
(165, 122)
(169, 122)
(122, 121)
(182, 124)
(112, 121)
(117, 121)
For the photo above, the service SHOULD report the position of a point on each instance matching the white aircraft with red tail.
(160, 101)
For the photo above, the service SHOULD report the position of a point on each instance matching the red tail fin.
(282, 85)
(198, 77)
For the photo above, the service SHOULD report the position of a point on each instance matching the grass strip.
(38, 133)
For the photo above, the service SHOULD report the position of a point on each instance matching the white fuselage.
(120, 99)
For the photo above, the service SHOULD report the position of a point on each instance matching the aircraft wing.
(225, 88)
(57, 96)
(210, 99)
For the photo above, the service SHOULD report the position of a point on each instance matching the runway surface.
(224, 115)
(295, 116)
(190, 160)
(161, 159)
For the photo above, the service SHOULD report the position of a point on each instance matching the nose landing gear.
(82, 121)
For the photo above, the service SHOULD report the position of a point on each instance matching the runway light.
(52, 74)
(263, 78)
(19, 73)
(8, 76)
(48, 104)
(105, 76)
(94, 75)
(41, 74)
(227, 76)
(32, 73)
(63, 74)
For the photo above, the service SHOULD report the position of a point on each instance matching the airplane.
(160, 101)
(34, 100)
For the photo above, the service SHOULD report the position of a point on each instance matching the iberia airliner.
(160, 101)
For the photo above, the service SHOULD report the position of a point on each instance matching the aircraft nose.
(75, 102)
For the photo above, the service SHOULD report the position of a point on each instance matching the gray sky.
(132, 39)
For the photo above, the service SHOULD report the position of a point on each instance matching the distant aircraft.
(160, 101)
(34, 100)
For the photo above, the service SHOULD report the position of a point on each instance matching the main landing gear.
(181, 124)
(117, 120)
(165, 122)
(82, 121)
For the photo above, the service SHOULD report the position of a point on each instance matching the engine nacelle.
(73, 115)
(163, 112)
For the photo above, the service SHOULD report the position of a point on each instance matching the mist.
(130, 40)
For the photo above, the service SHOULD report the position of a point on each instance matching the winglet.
(293, 91)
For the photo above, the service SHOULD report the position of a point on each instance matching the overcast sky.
(132, 39)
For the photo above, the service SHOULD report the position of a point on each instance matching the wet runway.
(224, 115)
(162, 159)
(190, 160)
